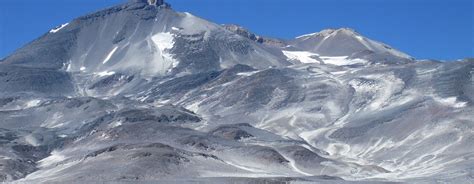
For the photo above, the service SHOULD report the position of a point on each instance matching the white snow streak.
(307, 35)
(105, 73)
(176, 29)
(247, 73)
(110, 55)
(55, 30)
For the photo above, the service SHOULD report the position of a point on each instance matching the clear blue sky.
(436, 29)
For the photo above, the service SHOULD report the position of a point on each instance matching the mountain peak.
(348, 43)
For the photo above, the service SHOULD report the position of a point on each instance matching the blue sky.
(434, 29)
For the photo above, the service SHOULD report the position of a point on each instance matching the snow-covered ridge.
(58, 28)
(328, 32)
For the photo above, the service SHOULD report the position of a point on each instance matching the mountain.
(141, 93)
(143, 38)
(347, 40)
(352, 48)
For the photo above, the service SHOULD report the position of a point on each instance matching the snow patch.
(163, 41)
(302, 56)
(164, 61)
(450, 101)
(176, 28)
(32, 140)
(111, 53)
(55, 30)
(105, 73)
(152, 2)
(69, 67)
(339, 72)
(55, 158)
(32, 103)
(116, 124)
(359, 37)
(194, 107)
(342, 60)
